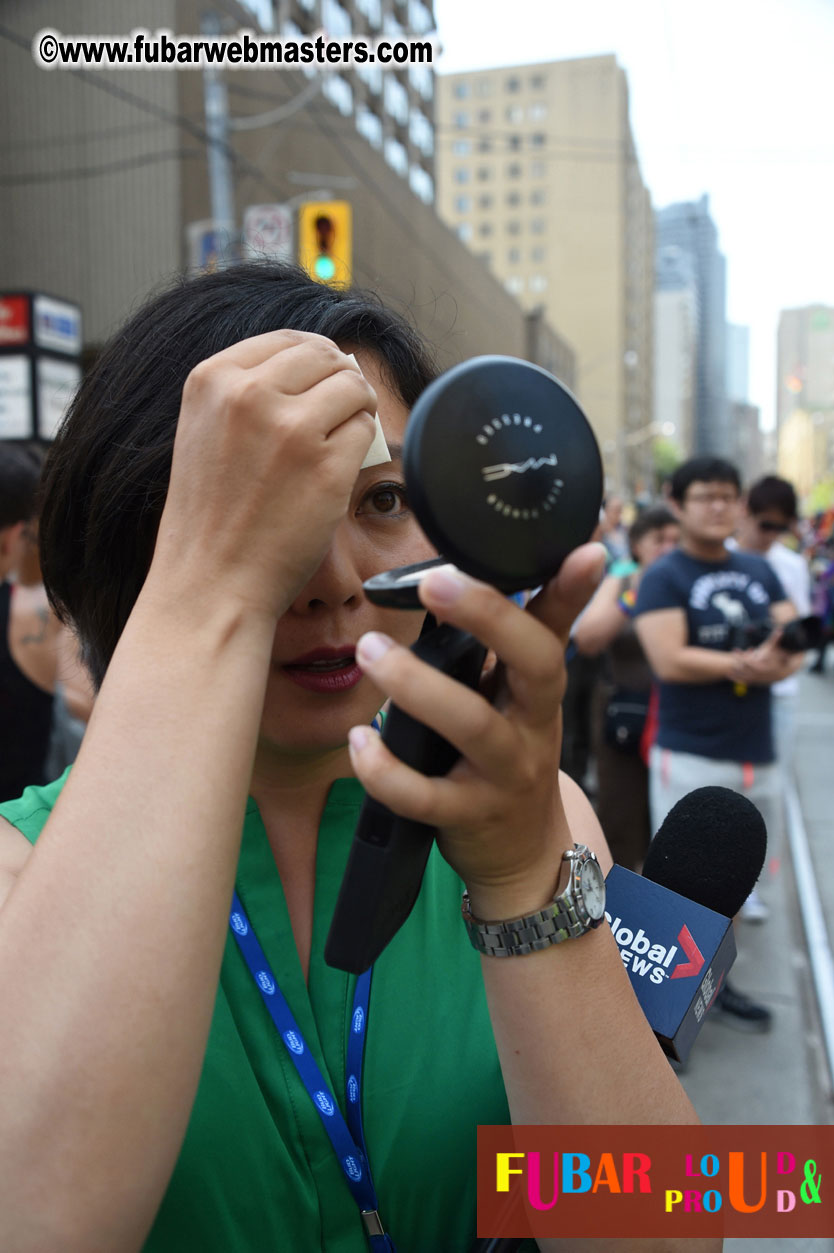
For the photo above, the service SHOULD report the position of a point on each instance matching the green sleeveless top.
(256, 1173)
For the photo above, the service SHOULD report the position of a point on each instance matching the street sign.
(267, 232)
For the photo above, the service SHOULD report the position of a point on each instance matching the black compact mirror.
(503, 473)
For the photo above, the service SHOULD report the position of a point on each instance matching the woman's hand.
(498, 811)
(270, 438)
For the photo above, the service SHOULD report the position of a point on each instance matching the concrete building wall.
(90, 196)
(100, 187)
(537, 173)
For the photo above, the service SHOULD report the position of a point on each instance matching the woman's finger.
(462, 716)
(531, 654)
(435, 800)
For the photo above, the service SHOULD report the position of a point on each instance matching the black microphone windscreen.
(710, 848)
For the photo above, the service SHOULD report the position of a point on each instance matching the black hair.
(106, 476)
(771, 492)
(20, 472)
(703, 470)
(653, 519)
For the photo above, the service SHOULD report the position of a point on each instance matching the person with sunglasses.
(771, 512)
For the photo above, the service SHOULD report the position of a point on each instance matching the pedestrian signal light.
(325, 241)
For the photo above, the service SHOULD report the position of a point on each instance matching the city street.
(781, 1077)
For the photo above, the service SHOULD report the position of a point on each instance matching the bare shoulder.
(14, 850)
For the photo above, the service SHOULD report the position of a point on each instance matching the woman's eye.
(386, 498)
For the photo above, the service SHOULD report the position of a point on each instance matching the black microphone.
(505, 477)
(673, 924)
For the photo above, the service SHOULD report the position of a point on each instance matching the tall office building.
(738, 362)
(537, 172)
(690, 228)
(675, 346)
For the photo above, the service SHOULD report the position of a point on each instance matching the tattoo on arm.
(43, 618)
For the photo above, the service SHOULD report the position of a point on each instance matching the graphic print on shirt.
(732, 593)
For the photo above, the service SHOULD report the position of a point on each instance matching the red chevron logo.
(684, 970)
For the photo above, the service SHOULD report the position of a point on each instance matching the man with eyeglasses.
(695, 609)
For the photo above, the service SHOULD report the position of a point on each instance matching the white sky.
(733, 98)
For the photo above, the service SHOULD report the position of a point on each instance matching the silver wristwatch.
(579, 908)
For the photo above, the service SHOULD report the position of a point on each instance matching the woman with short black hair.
(208, 527)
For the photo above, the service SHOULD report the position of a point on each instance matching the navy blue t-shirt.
(713, 719)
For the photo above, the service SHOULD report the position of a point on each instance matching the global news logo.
(643, 957)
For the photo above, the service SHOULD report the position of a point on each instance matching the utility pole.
(221, 186)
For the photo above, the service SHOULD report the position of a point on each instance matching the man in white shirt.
(771, 511)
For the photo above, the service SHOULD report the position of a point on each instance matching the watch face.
(592, 884)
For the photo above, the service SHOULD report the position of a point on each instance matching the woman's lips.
(325, 670)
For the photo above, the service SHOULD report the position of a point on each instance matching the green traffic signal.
(324, 267)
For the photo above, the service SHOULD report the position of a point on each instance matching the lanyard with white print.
(347, 1138)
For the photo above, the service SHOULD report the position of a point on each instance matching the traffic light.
(325, 239)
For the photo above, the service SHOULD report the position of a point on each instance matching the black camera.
(798, 635)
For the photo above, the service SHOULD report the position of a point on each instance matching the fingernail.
(445, 586)
(373, 646)
(358, 738)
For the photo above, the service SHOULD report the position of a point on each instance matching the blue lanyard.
(347, 1138)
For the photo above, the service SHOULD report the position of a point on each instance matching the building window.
(513, 256)
(461, 147)
(369, 125)
(513, 198)
(372, 75)
(335, 20)
(513, 227)
(485, 229)
(396, 156)
(514, 170)
(537, 169)
(537, 139)
(396, 99)
(537, 112)
(483, 87)
(461, 91)
(484, 145)
(538, 283)
(421, 183)
(338, 91)
(465, 232)
(461, 121)
(485, 202)
(514, 114)
(483, 174)
(538, 196)
(538, 226)
(422, 79)
(419, 17)
(514, 285)
(421, 132)
(537, 254)
(371, 8)
(463, 204)
(484, 117)
(461, 174)
(537, 82)
(514, 143)
(513, 84)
